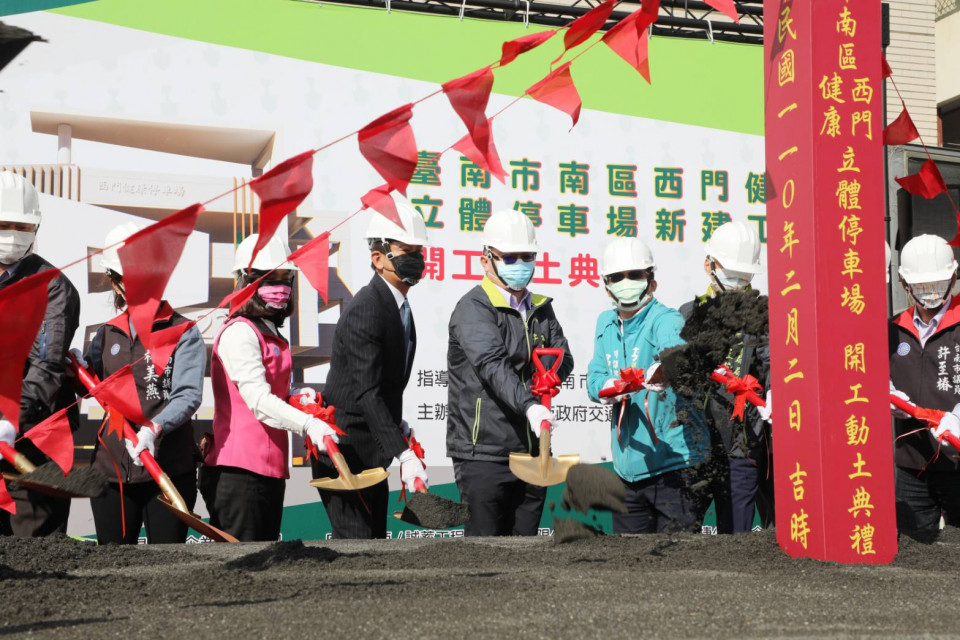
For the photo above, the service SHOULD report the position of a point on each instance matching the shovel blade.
(197, 524)
(534, 470)
(350, 482)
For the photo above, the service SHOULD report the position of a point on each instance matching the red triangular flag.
(6, 500)
(513, 48)
(926, 183)
(629, 40)
(119, 393)
(489, 161)
(239, 297)
(900, 131)
(281, 190)
(22, 306)
(469, 96)
(54, 437)
(887, 71)
(164, 343)
(388, 145)
(585, 26)
(313, 259)
(116, 422)
(725, 7)
(149, 257)
(558, 91)
(380, 200)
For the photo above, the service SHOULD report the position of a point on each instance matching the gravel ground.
(655, 586)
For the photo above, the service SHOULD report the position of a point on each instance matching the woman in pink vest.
(246, 466)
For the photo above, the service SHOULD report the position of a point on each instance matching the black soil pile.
(711, 332)
(284, 554)
(434, 512)
(61, 553)
(589, 487)
(83, 481)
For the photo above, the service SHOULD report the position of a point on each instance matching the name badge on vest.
(903, 349)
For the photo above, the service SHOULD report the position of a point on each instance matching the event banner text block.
(829, 368)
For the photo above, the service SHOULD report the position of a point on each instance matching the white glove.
(536, 414)
(310, 395)
(410, 469)
(613, 399)
(649, 374)
(898, 413)
(8, 433)
(316, 429)
(949, 423)
(406, 430)
(79, 356)
(146, 441)
(767, 411)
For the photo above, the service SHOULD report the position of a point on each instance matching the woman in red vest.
(246, 465)
(169, 398)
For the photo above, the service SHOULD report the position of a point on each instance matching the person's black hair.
(255, 307)
(119, 299)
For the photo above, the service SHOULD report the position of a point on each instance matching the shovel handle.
(17, 459)
(541, 352)
(930, 416)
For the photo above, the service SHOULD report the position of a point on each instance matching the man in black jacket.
(45, 386)
(924, 344)
(373, 348)
(491, 410)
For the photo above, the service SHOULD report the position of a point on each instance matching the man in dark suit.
(373, 348)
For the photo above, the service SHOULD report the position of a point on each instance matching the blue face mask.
(517, 275)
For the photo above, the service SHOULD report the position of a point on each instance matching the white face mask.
(730, 280)
(930, 295)
(15, 244)
(629, 294)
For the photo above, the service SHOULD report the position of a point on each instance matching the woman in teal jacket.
(655, 453)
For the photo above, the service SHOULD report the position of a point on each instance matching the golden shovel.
(543, 470)
(345, 480)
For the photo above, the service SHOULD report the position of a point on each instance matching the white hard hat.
(414, 231)
(510, 231)
(627, 254)
(927, 258)
(736, 246)
(272, 256)
(19, 201)
(110, 258)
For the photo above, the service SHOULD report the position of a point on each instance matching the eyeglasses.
(630, 275)
(512, 258)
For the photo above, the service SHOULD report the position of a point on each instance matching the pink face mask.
(275, 295)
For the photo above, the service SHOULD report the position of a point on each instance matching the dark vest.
(176, 450)
(930, 376)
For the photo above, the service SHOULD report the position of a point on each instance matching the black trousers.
(246, 505)
(140, 507)
(740, 486)
(357, 514)
(921, 501)
(500, 503)
(669, 502)
(38, 515)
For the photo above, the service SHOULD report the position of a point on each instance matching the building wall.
(912, 57)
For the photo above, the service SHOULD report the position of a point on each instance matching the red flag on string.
(164, 343)
(887, 71)
(900, 131)
(513, 48)
(281, 190)
(629, 40)
(54, 437)
(389, 146)
(22, 306)
(468, 96)
(926, 183)
(558, 91)
(313, 259)
(239, 297)
(119, 394)
(380, 200)
(725, 7)
(585, 26)
(489, 161)
(149, 257)
(6, 500)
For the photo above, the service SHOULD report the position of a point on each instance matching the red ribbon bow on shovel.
(743, 389)
(414, 445)
(318, 411)
(631, 380)
(545, 383)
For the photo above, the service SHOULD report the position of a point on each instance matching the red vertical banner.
(829, 365)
